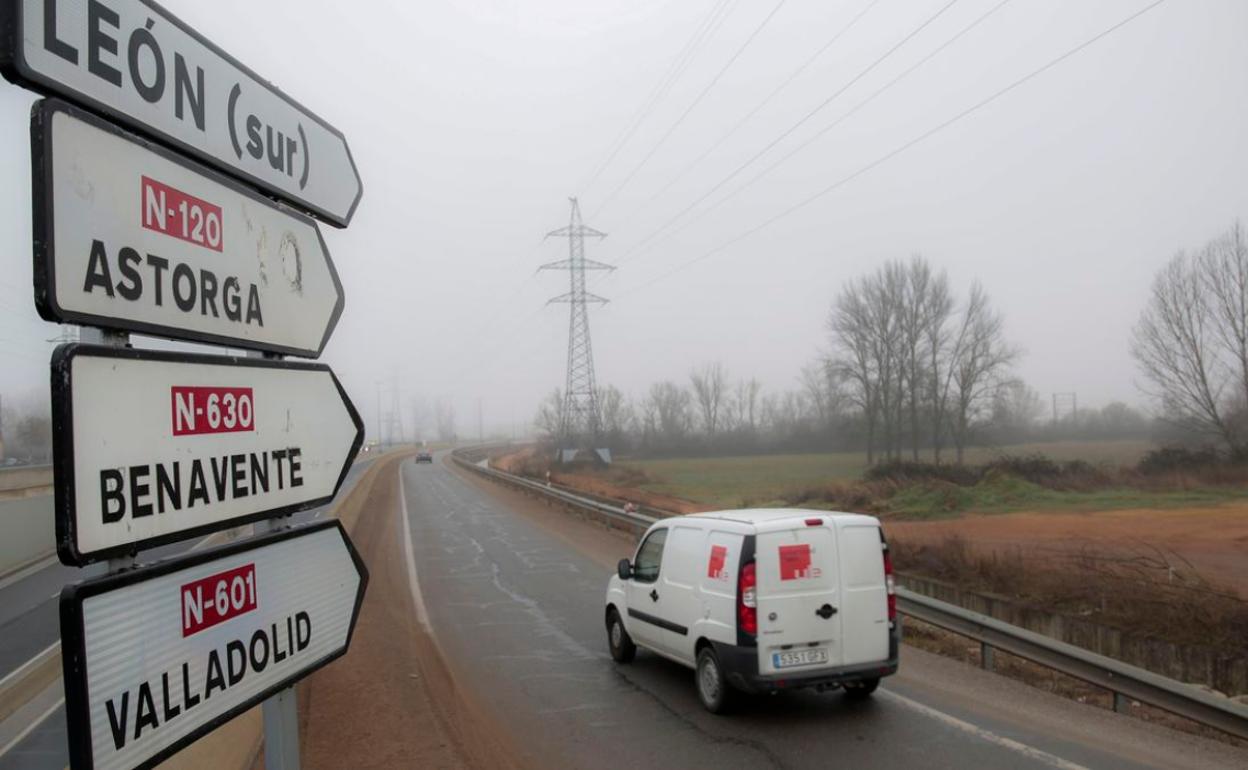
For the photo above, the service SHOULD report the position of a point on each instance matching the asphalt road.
(514, 595)
(29, 624)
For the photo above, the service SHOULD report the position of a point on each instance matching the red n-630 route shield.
(131, 236)
(158, 656)
(153, 446)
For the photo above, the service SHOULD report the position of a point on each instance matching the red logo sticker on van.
(795, 562)
(715, 567)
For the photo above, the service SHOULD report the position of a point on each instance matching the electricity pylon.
(578, 423)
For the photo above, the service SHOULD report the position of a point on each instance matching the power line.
(710, 24)
(823, 131)
(897, 151)
(697, 100)
(760, 106)
(787, 132)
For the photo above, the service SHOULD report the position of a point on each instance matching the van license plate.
(799, 657)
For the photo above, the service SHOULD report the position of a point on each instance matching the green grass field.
(732, 482)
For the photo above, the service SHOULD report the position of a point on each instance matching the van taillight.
(747, 601)
(891, 583)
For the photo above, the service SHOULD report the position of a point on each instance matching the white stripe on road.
(31, 727)
(1008, 743)
(413, 585)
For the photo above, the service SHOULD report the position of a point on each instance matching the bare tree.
(444, 416)
(670, 404)
(979, 366)
(1191, 341)
(825, 395)
(709, 384)
(940, 348)
(743, 411)
(615, 414)
(549, 418)
(1223, 269)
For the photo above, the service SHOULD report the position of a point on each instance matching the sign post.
(171, 193)
(219, 631)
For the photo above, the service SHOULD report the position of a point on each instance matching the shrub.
(1174, 459)
(903, 471)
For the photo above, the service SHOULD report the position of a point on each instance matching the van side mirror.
(624, 569)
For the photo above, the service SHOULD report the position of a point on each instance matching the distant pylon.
(578, 428)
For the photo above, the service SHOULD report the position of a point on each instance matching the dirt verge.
(390, 702)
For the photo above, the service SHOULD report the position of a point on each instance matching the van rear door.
(864, 603)
(799, 619)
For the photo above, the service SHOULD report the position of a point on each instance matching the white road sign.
(130, 236)
(142, 66)
(158, 656)
(151, 447)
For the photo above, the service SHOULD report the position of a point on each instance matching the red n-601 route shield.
(150, 447)
(157, 656)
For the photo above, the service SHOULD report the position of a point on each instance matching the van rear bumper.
(740, 666)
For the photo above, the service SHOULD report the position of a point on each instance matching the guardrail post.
(1122, 704)
(987, 656)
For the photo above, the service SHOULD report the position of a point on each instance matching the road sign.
(130, 236)
(151, 446)
(157, 656)
(142, 66)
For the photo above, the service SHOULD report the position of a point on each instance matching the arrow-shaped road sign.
(140, 65)
(128, 235)
(157, 656)
(150, 447)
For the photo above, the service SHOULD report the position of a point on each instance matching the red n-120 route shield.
(150, 447)
(158, 656)
(131, 236)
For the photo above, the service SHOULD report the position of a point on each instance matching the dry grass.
(1135, 587)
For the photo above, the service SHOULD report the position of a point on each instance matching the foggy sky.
(473, 121)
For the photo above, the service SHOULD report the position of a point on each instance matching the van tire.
(861, 689)
(713, 688)
(622, 648)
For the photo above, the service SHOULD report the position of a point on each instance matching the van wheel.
(622, 648)
(713, 688)
(861, 689)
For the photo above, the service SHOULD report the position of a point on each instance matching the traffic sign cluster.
(174, 195)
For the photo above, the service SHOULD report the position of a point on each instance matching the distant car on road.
(424, 456)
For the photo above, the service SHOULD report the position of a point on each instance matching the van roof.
(757, 516)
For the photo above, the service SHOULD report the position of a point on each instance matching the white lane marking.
(1000, 740)
(412, 584)
(31, 727)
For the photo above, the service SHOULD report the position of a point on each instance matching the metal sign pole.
(281, 711)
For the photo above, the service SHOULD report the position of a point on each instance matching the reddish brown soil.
(391, 702)
(1214, 539)
(596, 486)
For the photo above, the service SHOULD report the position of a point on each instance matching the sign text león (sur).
(136, 62)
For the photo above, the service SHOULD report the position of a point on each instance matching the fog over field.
(473, 121)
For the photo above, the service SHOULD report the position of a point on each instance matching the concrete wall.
(28, 531)
(25, 481)
(1224, 670)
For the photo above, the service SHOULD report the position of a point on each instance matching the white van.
(760, 601)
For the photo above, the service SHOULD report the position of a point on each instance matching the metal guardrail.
(1125, 681)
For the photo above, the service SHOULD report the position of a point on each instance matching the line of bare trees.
(1191, 342)
(920, 366)
(910, 367)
